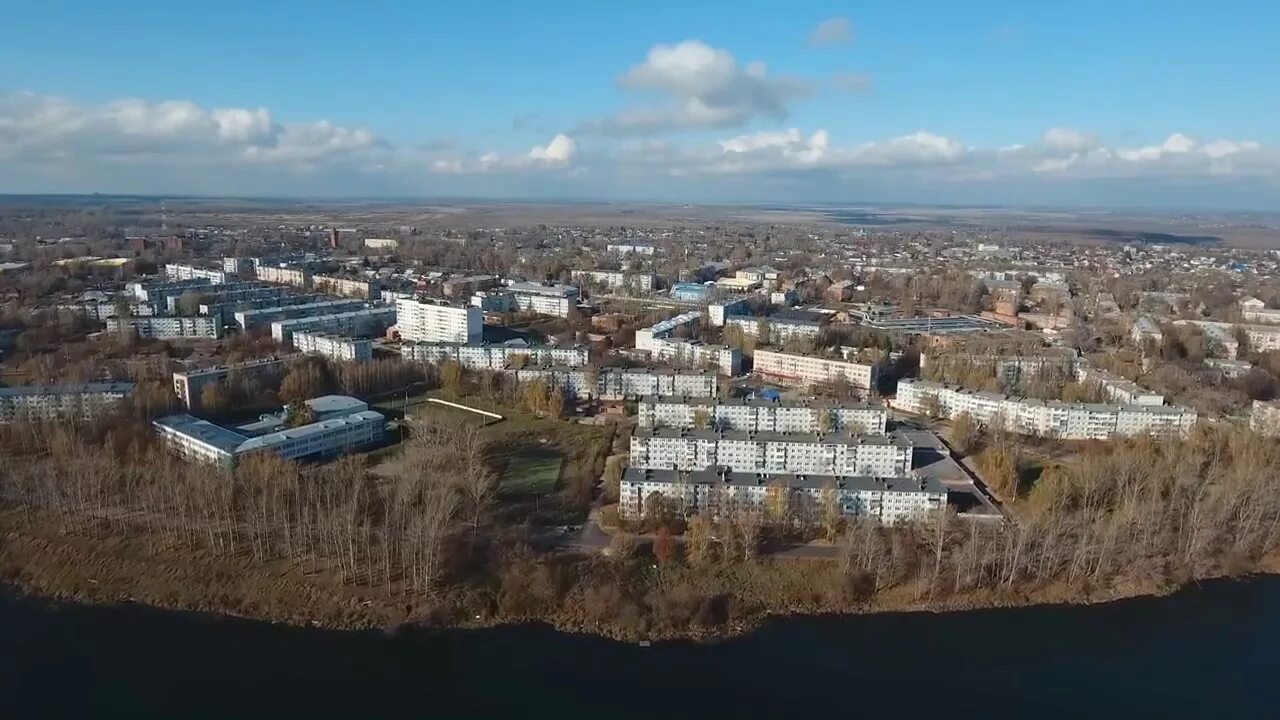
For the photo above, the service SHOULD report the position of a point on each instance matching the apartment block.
(48, 403)
(345, 287)
(618, 383)
(226, 311)
(771, 452)
(158, 293)
(1117, 389)
(189, 386)
(495, 357)
(334, 346)
(1065, 421)
(1009, 368)
(357, 323)
(780, 327)
(259, 317)
(297, 277)
(646, 337)
(575, 382)
(761, 415)
(175, 271)
(635, 282)
(695, 354)
(721, 494)
(630, 248)
(424, 320)
(805, 370)
(720, 310)
(544, 298)
(202, 326)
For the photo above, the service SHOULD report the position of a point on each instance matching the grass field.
(532, 472)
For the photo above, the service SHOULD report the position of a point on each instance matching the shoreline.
(114, 571)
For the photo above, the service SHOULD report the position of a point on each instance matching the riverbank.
(40, 561)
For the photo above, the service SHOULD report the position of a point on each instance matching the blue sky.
(1174, 103)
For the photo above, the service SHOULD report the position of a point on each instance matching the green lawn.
(532, 472)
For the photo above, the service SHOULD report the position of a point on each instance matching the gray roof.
(770, 436)
(759, 402)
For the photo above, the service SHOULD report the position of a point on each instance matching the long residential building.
(201, 326)
(297, 277)
(1261, 338)
(345, 287)
(158, 293)
(761, 415)
(258, 317)
(334, 346)
(177, 271)
(618, 383)
(1009, 368)
(189, 386)
(646, 337)
(724, 494)
(693, 353)
(495, 357)
(202, 441)
(1045, 418)
(229, 293)
(780, 327)
(226, 311)
(636, 282)
(434, 321)
(771, 452)
(357, 323)
(86, 402)
(808, 370)
(1117, 389)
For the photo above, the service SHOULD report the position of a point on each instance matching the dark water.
(1211, 651)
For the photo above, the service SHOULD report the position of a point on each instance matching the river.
(1209, 651)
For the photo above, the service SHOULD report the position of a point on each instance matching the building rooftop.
(758, 402)
(716, 476)
(769, 436)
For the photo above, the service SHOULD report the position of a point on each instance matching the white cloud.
(700, 86)
(1067, 140)
(559, 151)
(832, 31)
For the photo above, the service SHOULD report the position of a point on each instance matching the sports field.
(532, 472)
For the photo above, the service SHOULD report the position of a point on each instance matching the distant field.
(445, 414)
(533, 472)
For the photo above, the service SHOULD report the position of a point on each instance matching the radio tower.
(164, 218)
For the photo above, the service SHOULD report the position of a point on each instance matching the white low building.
(761, 415)
(1117, 389)
(176, 271)
(497, 356)
(722, 494)
(771, 452)
(334, 346)
(646, 337)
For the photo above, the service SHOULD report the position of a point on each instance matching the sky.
(1173, 104)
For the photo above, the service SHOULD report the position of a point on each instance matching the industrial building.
(722, 494)
(47, 403)
(761, 415)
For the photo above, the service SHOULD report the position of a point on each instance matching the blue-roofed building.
(690, 292)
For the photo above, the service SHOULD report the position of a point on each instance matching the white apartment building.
(381, 243)
(1010, 368)
(544, 298)
(203, 326)
(809, 370)
(495, 357)
(646, 337)
(1117, 389)
(358, 323)
(1261, 338)
(345, 287)
(438, 322)
(258, 317)
(190, 385)
(333, 346)
(778, 329)
(1255, 311)
(236, 265)
(618, 383)
(1264, 417)
(202, 441)
(769, 452)
(1055, 419)
(722, 494)
(576, 382)
(636, 282)
(157, 293)
(175, 271)
(48, 403)
(719, 311)
(692, 353)
(297, 277)
(761, 415)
